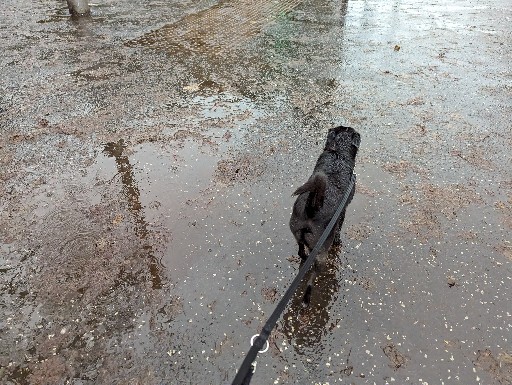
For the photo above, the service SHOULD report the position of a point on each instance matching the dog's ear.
(330, 143)
(353, 151)
(356, 141)
(356, 138)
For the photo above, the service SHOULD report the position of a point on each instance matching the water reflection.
(132, 195)
(304, 328)
(217, 29)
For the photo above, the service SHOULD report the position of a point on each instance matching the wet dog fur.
(318, 199)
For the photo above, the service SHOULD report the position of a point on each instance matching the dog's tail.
(315, 186)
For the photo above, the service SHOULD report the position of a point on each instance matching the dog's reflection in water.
(305, 326)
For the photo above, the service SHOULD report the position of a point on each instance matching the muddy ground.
(147, 160)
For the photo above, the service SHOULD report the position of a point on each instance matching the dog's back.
(318, 198)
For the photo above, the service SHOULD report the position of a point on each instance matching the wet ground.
(147, 160)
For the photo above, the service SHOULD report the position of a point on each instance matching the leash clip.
(252, 343)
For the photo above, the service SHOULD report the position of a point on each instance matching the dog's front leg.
(319, 264)
(337, 229)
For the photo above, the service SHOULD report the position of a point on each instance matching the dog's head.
(341, 139)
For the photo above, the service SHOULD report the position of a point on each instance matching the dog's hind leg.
(302, 252)
(301, 240)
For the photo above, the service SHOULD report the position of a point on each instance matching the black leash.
(244, 374)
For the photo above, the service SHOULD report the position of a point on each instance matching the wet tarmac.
(147, 159)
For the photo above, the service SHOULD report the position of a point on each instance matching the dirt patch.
(450, 198)
(506, 250)
(41, 129)
(181, 136)
(475, 157)
(417, 101)
(240, 168)
(500, 368)
(359, 231)
(402, 167)
(366, 283)
(361, 188)
(423, 223)
(505, 209)
(430, 204)
(269, 293)
(397, 359)
(48, 372)
(468, 235)
(172, 308)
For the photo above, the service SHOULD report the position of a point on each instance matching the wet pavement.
(147, 160)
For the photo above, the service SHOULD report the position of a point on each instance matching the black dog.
(320, 196)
